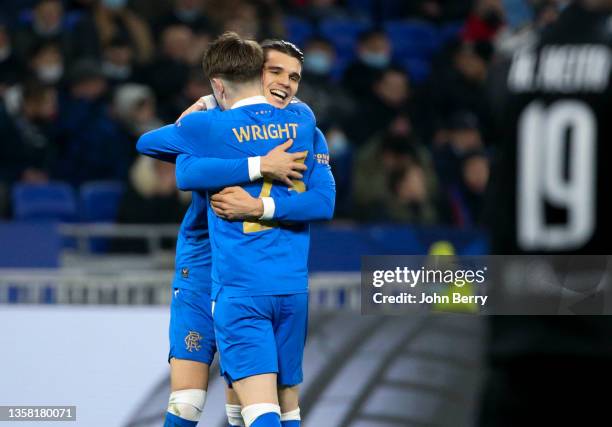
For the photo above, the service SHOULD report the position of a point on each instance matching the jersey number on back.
(556, 166)
(266, 189)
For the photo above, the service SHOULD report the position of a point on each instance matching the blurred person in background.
(458, 83)
(373, 56)
(153, 11)
(415, 199)
(196, 86)
(462, 168)
(330, 102)
(150, 198)
(10, 66)
(91, 142)
(436, 11)
(46, 62)
(118, 61)
(392, 98)
(257, 19)
(550, 195)
(103, 21)
(509, 40)
(134, 108)
(461, 136)
(27, 146)
(46, 24)
(485, 21)
(382, 172)
(190, 13)
(169, 72)
(466, 194)
(318, 10)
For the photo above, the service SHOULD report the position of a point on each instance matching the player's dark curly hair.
(283, 46)
(233, 58)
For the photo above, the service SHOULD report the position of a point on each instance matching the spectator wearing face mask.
(118, 61)
(373, 56)
(47, 63)
(330, 102)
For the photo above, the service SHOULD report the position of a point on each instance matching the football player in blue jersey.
(189, 372)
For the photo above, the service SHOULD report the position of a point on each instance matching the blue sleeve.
(317, 203)
(204, 173)
(301, 108)
(167, 142)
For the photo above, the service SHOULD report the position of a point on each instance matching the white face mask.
(50, 73)
(115, 71)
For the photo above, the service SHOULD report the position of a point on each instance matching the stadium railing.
(74, 286)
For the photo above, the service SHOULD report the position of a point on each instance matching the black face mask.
(492, 18)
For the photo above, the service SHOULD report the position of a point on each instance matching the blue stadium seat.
(365, 7)
(340, 66)
(54, 201)
(99, 200)
(298, 30)
(343, 34)
(450, 31)
(414, 39)
(417, 69)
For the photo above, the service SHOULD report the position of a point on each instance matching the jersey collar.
(259, 99)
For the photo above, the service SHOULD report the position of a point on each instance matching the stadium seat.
(365, 7)
(298, 30)
(414, 39)
(343, 34)
(417, 69)
(54, 201)
(450, 31)
(340, 66)
(99, 200)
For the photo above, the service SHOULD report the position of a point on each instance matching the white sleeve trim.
(268, 208)
(209, 102)
(255, 168)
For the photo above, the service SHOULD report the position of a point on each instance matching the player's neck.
(244, 94)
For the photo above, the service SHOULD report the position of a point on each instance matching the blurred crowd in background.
(400, 89)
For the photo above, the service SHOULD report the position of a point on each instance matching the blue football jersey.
(249, 257)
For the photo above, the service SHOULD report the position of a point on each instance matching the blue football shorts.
(260, 335)
(192, 335)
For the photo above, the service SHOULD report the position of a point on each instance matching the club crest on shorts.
(192, 341)
(185, 272)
